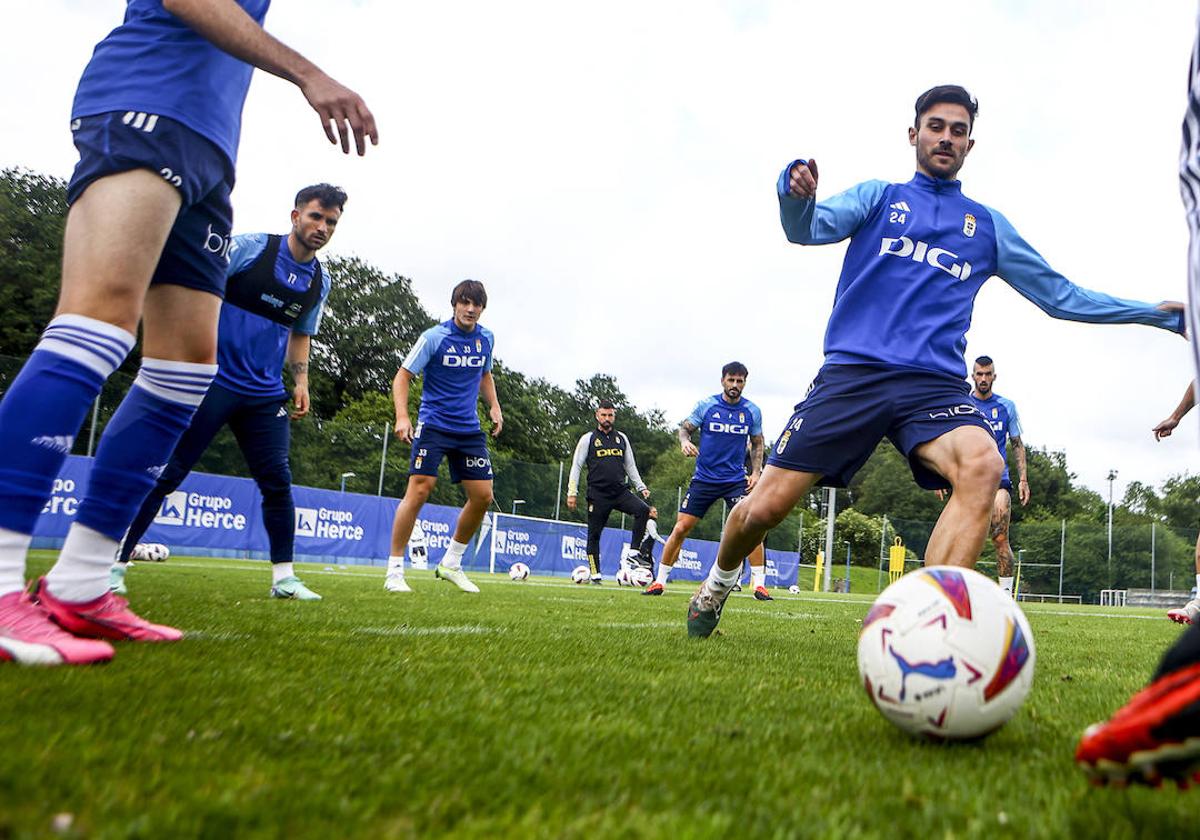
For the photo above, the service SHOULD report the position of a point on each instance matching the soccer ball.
(623, 577)
(139, 552)
(158, 552)
(794, 589)
(518, 571)
(640, 576)
(581, 574)
(945, 654)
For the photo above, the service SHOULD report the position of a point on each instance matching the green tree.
(33, 212)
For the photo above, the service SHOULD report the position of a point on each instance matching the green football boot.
(291, 588)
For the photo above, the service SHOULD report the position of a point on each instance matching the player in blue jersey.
(274, 295)
(456, 359)
(156, 120)
(918, 254)
(1001, 415)
(727, 423)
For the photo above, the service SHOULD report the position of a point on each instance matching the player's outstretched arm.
(1027, 271)
(1166, 427)
(227, 26)
(807, 222)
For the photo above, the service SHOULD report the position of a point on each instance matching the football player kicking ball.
(727, 423)
(456, 358)
(894, 361)
(156, 120)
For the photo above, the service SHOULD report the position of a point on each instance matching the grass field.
(541, 709)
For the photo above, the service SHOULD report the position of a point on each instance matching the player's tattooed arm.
(757, 444)
(297, 363)
(1018, 446)
(685, 439)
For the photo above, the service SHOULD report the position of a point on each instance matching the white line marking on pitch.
(405, 630)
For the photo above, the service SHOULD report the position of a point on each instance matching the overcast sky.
(608, 171)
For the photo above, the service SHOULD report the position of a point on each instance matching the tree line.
(371, 320)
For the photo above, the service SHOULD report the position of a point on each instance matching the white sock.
(396, 565)
(664, 572)
(1197, 583)
(721, 580)
(279, 571)
(13, 548)
(454, 554)
(81, 573)
(1006, 583)
(758, 576)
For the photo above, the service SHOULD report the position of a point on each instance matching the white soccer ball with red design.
(581, 574)
(946, 654)
(623, 577)
(640, 576)
(518, 571)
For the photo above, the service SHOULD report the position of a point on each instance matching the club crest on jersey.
(968, 225)
(995, 413)
(741, 417)
(478, 346)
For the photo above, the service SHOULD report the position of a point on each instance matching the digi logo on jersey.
(902, 246)
(728, 428)
(450, 360)
(196, 510)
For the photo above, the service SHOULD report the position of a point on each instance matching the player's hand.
(751, 480)
(341, 110)
(942, 495)
(497, 419)
(689, 449)
(645, 492)
(404, 429)
(1165, 428)
(300, 399)
(1023, 491)
(802, 180)
(570, 503)
(1174, 306)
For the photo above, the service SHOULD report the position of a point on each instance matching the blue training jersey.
(251, 349)
(918, 254)
(1001, 414)
(725, 428)
(454, 363)
(156, 63)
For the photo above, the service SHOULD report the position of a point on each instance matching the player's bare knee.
(759, 514)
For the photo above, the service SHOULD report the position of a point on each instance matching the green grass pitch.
(541, 709)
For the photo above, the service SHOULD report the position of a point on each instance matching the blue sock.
(44, 407)
(139, 440)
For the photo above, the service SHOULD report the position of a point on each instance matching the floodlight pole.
(387, 428)
(1112, 476)
(558, 491)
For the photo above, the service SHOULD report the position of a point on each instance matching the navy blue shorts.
(197, 251)
(467, 454)
(850, 408)
(702, 494)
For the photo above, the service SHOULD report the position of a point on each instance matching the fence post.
(92, 433)
(1153, 530)
(1062, 558)
(882, 549)
(558, 491)
(387, 428)
(830, 515)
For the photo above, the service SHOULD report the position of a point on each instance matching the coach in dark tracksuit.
(608, 456)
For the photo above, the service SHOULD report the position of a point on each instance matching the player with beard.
(727, 423)
(919, 252)
(1001, 415)
(608, 456)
